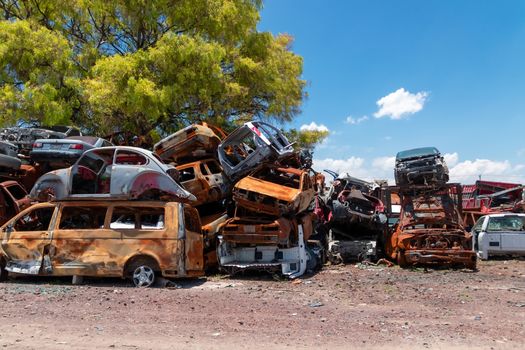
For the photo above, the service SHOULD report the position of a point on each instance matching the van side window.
(82, 218)
(137, 218)
(187, 174)
(35, 220)
(204, 171)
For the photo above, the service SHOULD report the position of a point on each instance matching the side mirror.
(9, 228)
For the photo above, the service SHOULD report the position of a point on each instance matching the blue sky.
(461, 65)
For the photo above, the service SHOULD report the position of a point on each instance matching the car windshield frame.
(417, 153)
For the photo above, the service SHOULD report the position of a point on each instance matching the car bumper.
(441, 257)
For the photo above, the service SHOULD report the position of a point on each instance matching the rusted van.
(128, 239)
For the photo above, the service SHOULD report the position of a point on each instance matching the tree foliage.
(307, 139)
(144, 66)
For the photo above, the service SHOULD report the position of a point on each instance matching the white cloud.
(385, 164)
(354, 121)
(352, 165)
(400, 103)
(451, 159)
(314, 127)
(378, 168)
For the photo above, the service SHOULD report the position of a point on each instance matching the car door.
(26, 239)
(493, 234)
(513, 237)
(82, 243)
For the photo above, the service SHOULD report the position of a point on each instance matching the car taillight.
(37, 145)
(76, 146)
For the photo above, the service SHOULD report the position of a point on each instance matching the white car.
(113, 173)
(499, 234)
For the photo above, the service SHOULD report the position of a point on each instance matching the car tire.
(401, 260)
(143, 272)
(3, 272)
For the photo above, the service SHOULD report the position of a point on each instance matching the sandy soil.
(339, 307)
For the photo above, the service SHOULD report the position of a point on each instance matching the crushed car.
(61, 153)
(275, 191)
(139, 240)
(114, 173)
(252, 242)
(353, 221)
(430, 231)
(194, 142)
(420, 166)
(9, 156)
(205, 180)
(23, 138)
(250, 147)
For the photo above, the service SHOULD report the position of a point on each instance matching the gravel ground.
(339, 307)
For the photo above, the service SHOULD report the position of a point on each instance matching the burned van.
(129, 239)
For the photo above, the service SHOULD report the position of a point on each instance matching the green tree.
(308, 139)
(144, 66)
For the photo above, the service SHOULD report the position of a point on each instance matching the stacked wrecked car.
(430, 228)
(352, 219)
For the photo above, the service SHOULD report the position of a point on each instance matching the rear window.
(130, 158)
(137, 218)
(506, 223)
(82, 218)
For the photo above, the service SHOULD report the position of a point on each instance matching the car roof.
(499, 215)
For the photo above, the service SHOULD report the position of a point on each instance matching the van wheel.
(3, 272)
(142, 272)
(401, 261)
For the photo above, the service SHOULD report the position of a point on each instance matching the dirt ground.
(339, 307)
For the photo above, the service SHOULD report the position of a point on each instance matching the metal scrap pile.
(353, 219)
(256, 173)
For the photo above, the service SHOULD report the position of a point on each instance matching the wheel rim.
(143, 276)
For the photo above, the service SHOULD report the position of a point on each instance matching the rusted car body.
(275, 191)
(205, 180)
(131, 239)
(256, 230)
(113, 173)
(430, 231)
(191, 143)
(263, 244)
(13, 199)
(250, 147)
